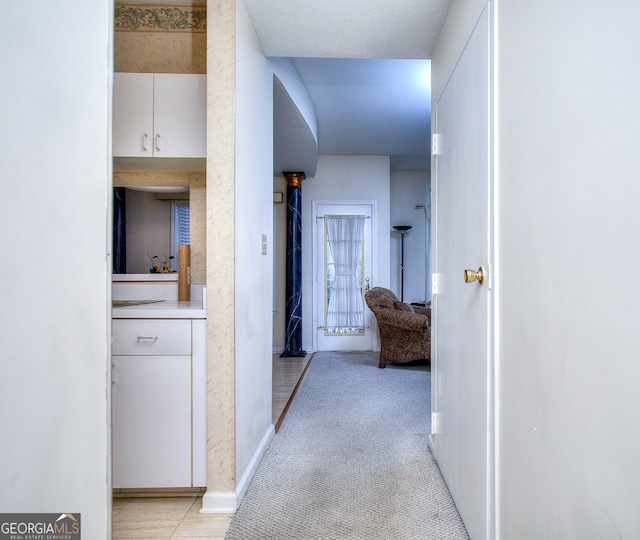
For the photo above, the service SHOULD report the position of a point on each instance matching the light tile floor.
(166, 519)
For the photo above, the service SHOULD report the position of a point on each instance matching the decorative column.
(293, 309)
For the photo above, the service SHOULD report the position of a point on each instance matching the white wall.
(345, 178)
(566, 248)
(461, 17)
(284, 69)
(55, 296)
(408, 190)
(253, 217)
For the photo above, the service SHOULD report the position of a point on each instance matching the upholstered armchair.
(405, 330)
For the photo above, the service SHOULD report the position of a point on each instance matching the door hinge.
(436, 144)
(435, 417)
(436, 283)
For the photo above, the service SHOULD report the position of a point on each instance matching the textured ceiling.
(363, 64)
(348, 29)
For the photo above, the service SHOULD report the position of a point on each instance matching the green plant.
(160, 266)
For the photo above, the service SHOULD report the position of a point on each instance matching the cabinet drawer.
(151, 337)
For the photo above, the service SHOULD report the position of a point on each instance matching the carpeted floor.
(351, 460)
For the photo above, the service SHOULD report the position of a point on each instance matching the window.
(344, 256)
(180, 227)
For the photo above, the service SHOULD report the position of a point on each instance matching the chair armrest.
(423, 310)
(403, 319)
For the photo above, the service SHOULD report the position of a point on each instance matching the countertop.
(165, 309)
(171, 276)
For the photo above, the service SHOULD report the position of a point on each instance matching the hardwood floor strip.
(293, 394)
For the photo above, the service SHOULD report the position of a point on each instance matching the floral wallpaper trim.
(159, 18)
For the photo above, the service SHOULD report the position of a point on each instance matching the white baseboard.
(219, 502)
(227, 502)
(250, 472)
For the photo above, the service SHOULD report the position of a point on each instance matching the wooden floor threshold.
(293, 394)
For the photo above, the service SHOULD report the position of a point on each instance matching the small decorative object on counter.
(159, 266)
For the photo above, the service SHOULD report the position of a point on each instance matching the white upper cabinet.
(133, 114)
(179, 103)
(159, 115)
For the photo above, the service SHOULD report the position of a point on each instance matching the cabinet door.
(151, 421)
(133, 114)
(180, 115)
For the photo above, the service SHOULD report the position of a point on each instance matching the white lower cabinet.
(158, 410)
(151, 414)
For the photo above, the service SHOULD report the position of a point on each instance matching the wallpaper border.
(159, 19)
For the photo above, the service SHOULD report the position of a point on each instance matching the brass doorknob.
(471, 275)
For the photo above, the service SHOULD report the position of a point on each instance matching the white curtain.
(345, 236)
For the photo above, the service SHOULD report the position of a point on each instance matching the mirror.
(150, 220)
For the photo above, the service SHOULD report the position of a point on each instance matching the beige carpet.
(351, 460)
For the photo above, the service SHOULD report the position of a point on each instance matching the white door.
(343, 338)
(462, 316)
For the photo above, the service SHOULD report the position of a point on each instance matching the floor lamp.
(403, 229)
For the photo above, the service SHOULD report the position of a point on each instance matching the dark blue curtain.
(119, 232)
